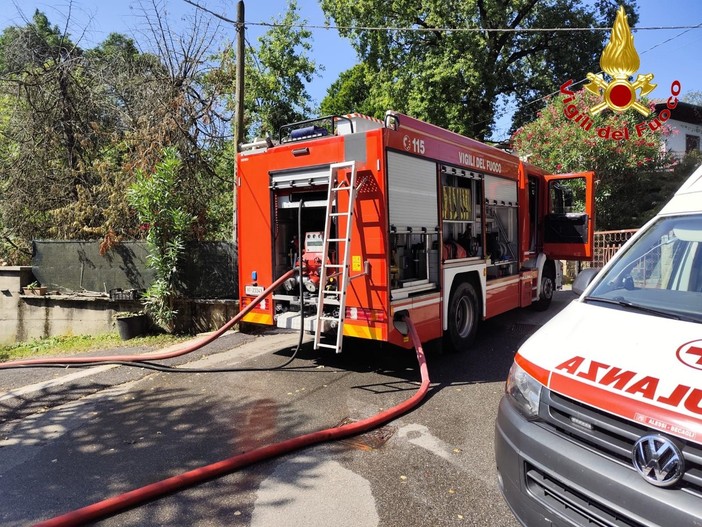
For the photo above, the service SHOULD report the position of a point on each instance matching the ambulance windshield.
(660, 273)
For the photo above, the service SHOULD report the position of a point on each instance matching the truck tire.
(463, 317)
(548, 286)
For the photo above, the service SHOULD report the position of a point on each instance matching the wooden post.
(239, 117)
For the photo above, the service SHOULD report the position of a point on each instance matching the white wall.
(676, 141)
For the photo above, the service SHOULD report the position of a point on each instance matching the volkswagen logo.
(658, 460)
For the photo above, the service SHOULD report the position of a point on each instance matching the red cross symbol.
(694, 350)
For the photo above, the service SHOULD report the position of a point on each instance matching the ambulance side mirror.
(583, 279)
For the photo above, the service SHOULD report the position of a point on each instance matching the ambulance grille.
(613, 437)
(572, 504)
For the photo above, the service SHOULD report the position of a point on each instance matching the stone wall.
(26, 317)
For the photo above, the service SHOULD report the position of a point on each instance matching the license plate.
(253, 290)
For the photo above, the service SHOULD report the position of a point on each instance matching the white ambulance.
(601, 422)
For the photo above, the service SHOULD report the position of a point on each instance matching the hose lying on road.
(141, 495)
(190, 346)
(142, 361)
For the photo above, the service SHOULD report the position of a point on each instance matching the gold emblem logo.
(620, 61)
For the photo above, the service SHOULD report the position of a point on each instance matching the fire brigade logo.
(620, 61)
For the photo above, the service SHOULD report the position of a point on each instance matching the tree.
(445, 70)
(76, 124)
(48, 127)
(351, 93)
(632, 173)
(187, 111)
(693, 97)
(277, 74)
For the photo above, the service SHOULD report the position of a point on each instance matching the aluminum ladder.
(340, 270)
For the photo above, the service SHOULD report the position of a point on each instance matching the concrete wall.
(12, 279)
(27, 317)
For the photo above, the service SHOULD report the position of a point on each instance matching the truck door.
(568, 216)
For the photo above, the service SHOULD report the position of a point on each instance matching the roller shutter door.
(412, 192)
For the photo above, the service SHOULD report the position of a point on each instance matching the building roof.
(684, 111)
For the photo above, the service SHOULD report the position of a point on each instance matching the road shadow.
(488, 360)
(99, 447)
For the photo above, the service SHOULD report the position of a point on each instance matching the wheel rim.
(547, 287)
(463, 317)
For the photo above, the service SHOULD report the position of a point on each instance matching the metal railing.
(607, 243)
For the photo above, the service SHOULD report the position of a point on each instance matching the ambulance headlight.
(524, 391)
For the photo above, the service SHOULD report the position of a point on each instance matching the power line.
(463, 29)
(435, 29)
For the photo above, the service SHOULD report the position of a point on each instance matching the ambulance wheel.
(548, 286)
(463, 316)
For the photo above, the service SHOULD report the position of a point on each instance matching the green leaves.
(628, 169)
(161, 208)
(456, 78)
(277, 75)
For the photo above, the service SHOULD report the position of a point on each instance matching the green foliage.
(55, 346)
(628, 170)
(350, 93)
(162, 211)
(461, 79)
(276, 76)
(76, 124)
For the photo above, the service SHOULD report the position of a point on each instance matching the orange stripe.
(539, 373)
(636, 410)
(364, 332)
(257, 318)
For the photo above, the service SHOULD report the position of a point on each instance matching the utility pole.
(240, 60)
(239, 117)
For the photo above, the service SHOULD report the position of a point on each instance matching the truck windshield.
(660, 274)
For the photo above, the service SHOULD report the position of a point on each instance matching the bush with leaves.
(162, 211)
(626, 169)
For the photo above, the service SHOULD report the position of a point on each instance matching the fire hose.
(114, 505)
(156, 490)
(183, 350)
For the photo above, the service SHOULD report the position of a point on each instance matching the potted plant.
(130, 324)
(35, 288)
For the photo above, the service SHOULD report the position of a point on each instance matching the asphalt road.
(70, 438)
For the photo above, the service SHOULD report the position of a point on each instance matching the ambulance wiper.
(619, 301)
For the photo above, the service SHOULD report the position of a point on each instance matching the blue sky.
(669, 60)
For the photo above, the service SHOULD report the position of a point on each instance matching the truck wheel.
(548, 286)
(463, 317)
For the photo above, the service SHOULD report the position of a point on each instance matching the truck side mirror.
(583, 279)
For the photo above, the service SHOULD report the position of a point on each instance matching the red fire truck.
(400, 216)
